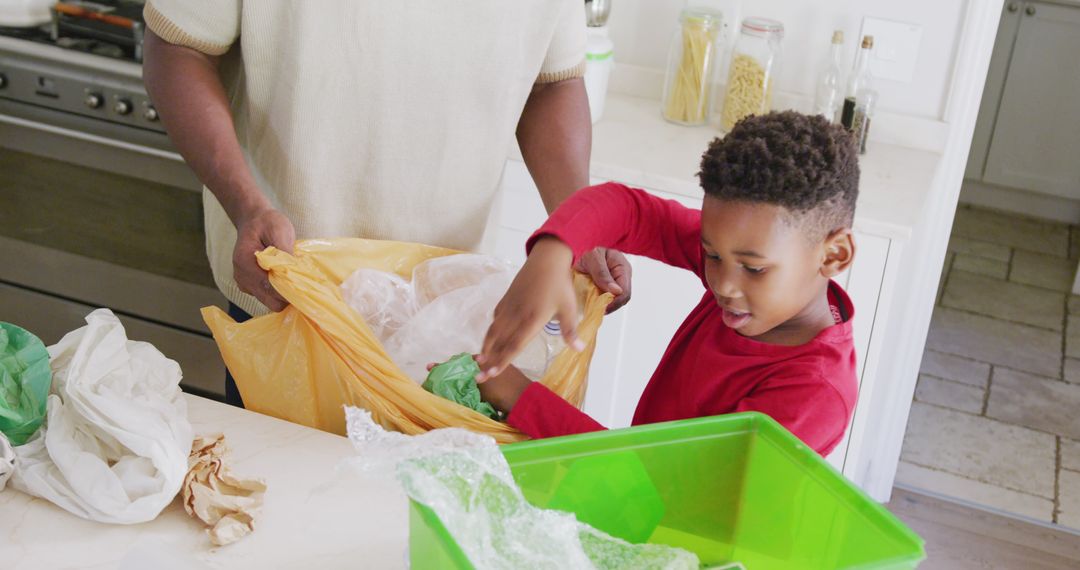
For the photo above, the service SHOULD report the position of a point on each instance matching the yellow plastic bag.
(304, 363)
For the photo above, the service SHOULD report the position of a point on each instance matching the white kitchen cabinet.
(1034, 140)
(1011, 13)
(870, 282)
(632, 341)
(662, 298)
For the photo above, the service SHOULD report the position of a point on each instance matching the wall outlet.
(896, 48)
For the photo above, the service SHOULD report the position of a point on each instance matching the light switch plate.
(896, 48)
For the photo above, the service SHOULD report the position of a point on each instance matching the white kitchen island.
(311, 516)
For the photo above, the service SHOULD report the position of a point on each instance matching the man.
(386, 120)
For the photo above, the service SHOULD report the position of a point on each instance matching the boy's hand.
(610, 271)
(504, 390)
(254, 233)
(544, 287)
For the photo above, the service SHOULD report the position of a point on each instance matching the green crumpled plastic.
(25, 379)
(455, 380)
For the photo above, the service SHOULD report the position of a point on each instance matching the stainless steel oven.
(96, 208)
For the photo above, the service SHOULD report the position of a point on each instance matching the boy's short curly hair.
(799, 162)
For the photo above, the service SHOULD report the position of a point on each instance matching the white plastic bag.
(445, 310)
(453, 323)
(7, 460)
(116, 438)
(385, 300)
(441, 275)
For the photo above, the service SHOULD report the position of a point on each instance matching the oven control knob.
(150, 114)
(3, 81)
(122, 107)
(93, 100)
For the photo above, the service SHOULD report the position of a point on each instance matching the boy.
(772, 332)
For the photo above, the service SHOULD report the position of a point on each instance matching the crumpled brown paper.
(213, 495)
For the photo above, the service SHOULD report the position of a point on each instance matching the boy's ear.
(839, 252)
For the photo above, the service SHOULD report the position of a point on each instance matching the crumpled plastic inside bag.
(25, 379)
(465, 479)
(445, 310)
(437, 277)
(115, 444)
(384, 299)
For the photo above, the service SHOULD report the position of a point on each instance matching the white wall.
(642, 30)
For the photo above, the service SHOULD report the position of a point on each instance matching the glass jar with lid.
(692, 63)
(752, 72)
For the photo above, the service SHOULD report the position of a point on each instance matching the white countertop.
(632, 144)
(311, 517)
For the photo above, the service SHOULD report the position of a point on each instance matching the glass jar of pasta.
(752, 72)
(692, 64)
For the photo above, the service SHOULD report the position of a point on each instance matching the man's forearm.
(187, 92)
(555, 136)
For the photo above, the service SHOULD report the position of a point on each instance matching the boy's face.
(763, 269)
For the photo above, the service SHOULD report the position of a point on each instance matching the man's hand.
(544, 287)
(611, 272)
(254, 233)
(186, 83)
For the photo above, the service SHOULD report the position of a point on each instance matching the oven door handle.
(88, 137)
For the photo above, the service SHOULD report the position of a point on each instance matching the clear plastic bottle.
(830, 87)
(553, 339)
(533, 360)
(541, 351)
(752, 73)
(692, 65)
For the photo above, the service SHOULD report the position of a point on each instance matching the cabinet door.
(662, 298)
(520, 205)
(1036, 135)
(1011, 13)
(869, 288)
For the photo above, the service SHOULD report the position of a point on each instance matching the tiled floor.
(996, 417)
(960, 537)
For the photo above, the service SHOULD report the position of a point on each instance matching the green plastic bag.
(455, 380)
(25, 379)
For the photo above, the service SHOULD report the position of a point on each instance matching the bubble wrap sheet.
(464, 478)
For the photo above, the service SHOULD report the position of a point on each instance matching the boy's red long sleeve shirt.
(708, 368)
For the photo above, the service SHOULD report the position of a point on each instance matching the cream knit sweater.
(383, 119)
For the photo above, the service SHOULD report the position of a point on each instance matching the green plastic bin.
(729, 488)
